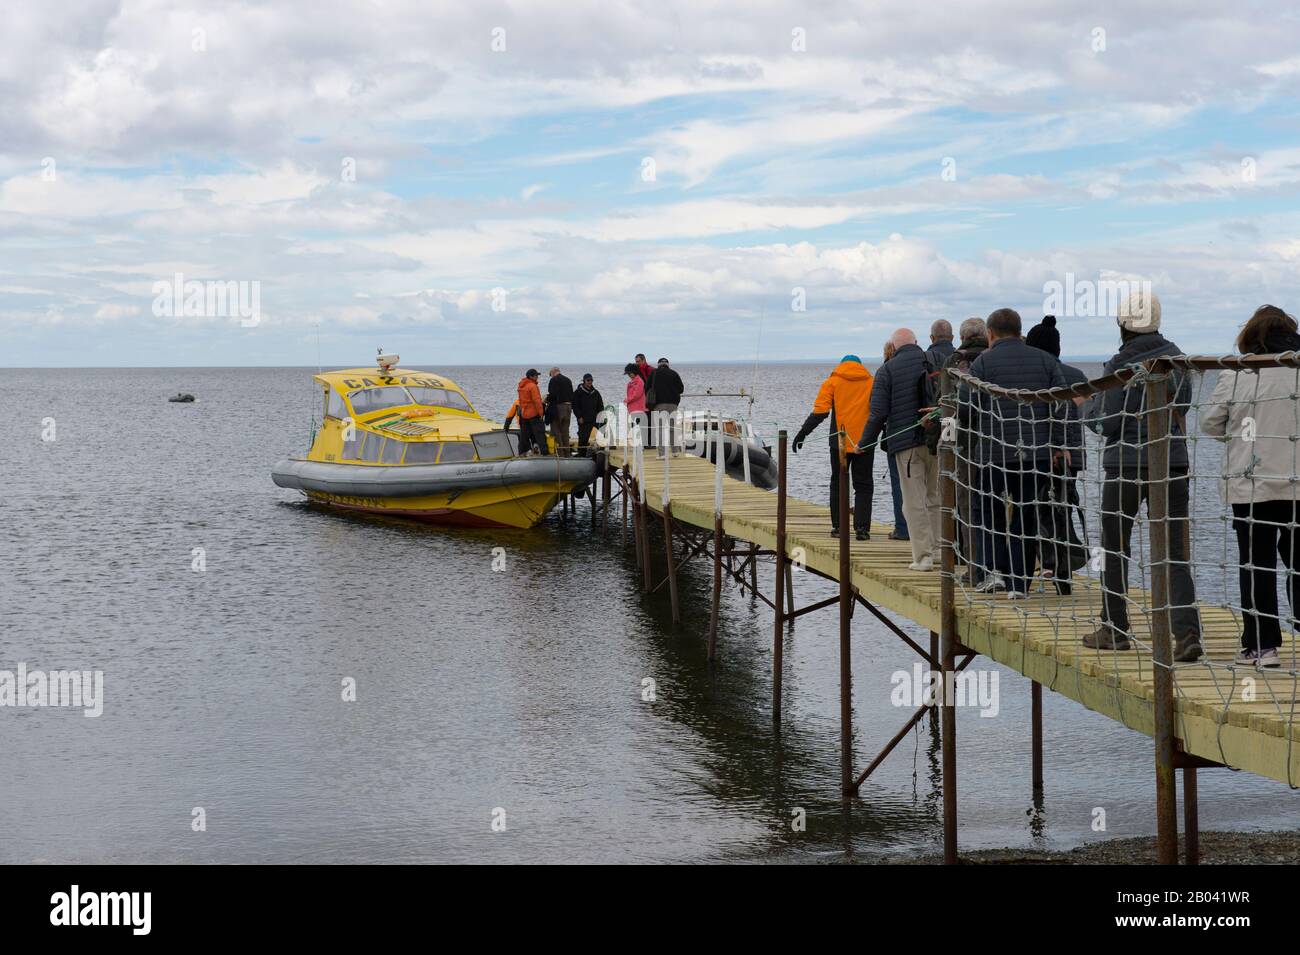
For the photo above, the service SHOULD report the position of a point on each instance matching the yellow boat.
(409, 444)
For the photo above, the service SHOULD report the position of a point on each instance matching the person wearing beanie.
(1117, 415)
(845, 396)
(1062, 551)
(531, 411)
(1045, 337)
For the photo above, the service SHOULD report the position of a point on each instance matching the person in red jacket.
(636, 400)
(645, 370)
(530, 410)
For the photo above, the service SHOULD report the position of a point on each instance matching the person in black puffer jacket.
(1013, 450)
(897, 397)
(587, 406)
(663, 394)
(1063, 552)
(1119, 415)
(973, 548)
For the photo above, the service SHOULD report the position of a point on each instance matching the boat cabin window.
(367, 400)
(334, 406)
(352, 445)
(454, 452)
(391, 452)
(493, 445)
(440, 398)
(372, 445)
(422, 452)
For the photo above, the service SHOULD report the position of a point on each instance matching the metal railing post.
(948, 637)
(1162, 655)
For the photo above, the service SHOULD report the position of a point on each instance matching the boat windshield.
(367, 400)
(440, 398)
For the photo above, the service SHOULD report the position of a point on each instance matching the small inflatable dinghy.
(181, 398)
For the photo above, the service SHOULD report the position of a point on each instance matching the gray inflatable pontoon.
(419, 480)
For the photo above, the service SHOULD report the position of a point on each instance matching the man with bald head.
(941, 346)
(896, 410)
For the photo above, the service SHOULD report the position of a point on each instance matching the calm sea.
(481, 695)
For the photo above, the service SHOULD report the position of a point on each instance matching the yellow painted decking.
(1038, 637)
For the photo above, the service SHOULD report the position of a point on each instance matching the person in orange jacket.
(530, 411)
(523, 432)
(845, 397)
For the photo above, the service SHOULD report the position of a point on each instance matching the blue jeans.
(896, 492)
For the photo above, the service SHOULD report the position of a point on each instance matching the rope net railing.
(1160, 498)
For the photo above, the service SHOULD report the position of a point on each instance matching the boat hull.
(484, 494)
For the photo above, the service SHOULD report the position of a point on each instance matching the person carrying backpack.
(901, 391)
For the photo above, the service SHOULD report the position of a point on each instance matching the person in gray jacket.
(1014, 443)
(1119, 415)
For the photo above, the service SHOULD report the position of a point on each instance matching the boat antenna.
(758, 349)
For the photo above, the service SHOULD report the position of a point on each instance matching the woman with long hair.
(1255, 412)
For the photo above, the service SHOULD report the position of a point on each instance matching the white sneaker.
(925, 564)
(1017, 595)
(1261, 659)
(991, 583)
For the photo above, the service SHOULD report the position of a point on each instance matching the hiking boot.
(1259, 658)
(990, 584)
(895, 536)
(864, 536)
(1104, 638)
(1188, 648)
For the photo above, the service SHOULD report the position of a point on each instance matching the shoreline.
(1217, 848)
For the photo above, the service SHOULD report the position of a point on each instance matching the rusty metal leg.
(782, 568)
(672, 567)
(934, 655)
(636, 523)
(1036, 720)
(604, 494)
(1162, 654)
(717, 586)
(646, 566)
(789, 591)
(1191, 818)
(947, 647)
(846, 616)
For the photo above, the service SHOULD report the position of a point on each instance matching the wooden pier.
(1219, 718)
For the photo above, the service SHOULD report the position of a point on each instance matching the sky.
(526, 183)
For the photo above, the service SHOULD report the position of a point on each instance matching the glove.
(798, 442)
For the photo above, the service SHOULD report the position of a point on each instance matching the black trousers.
(1121, 496)
(860, 467)
(536, 431)
(1011, 541)
(1265, 531)
(1060, 550)
(584, 433)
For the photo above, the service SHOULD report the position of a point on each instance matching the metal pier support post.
(846, 617)
(947, 644)
(668, 540)
(1162, 655)
(1191, 818)
(1036, 722)
(604, 494)
(782, 568)
(717, 539)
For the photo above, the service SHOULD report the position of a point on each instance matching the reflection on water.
(476, 690)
